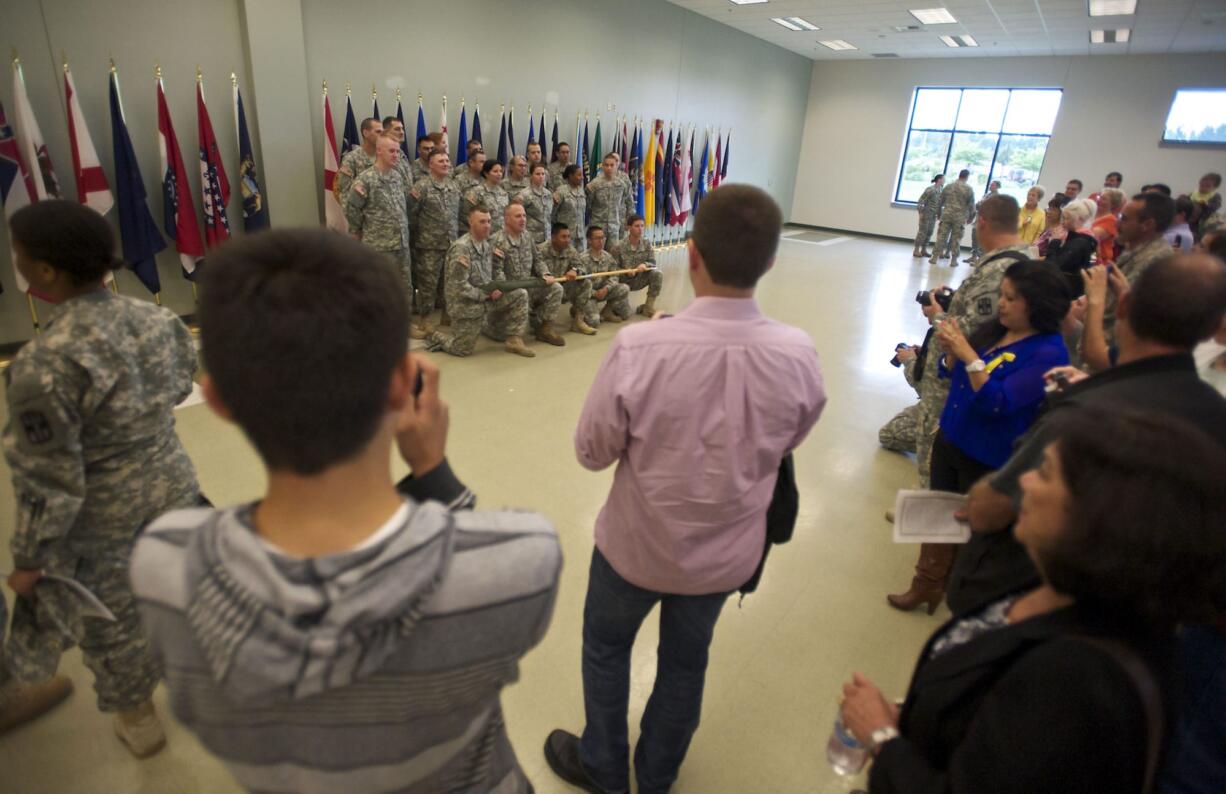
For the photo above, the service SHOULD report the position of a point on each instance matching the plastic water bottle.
(845, 754)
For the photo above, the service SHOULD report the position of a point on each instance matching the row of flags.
(668, 180)
(27, 175)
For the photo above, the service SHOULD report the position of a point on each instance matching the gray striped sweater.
(375, 670)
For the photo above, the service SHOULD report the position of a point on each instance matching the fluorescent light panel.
(794, 23)
(959, 41)
(1118, 36)
(1112, 8)
(746, 2)
(838, 44)
(934, 16)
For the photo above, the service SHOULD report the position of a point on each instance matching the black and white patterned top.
(993, 616)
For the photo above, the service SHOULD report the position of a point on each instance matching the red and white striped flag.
(92, 188)
(334, 216)
(179, 209)
(30, 140)
(16, 186)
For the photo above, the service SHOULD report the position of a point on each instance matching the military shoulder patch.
(498, 253)
(359, 188)
(984, 305)
(463, 260)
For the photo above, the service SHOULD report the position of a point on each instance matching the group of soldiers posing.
(477, 228)
(954, 205)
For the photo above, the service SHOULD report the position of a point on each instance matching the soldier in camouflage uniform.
(516, 256)
(570, 204)
(500, 316)
(488, 194)
(517, 180)
(395, 128)
(377, 209)
(469, 177)
(635, 252)
(610, 201)
(91, 444)
(434, 206)
(976, 251)
(357, 160)
(929, 207)
(957, 208)
(616, 296)
(421, 164)
(538, 202)
(1142, 225)
(534, 156)
(562, 260)
(899, 434)
(557, 169)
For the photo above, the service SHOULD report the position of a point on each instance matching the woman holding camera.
(996, 390)
(1062, 688)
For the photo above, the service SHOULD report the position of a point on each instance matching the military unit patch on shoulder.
(984, 305)
(463, 260)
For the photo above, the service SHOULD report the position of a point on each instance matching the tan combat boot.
(649, 307)
(419, 331)
(607, 315)
(546, 334)
(140, 730)
(23, 702)
(516, 345)
(578, 324)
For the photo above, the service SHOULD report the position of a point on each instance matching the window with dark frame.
(995, 133)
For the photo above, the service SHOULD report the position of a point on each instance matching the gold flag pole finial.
(397, 94)
(64, 60)
(113, 69)
(233, 79)
(325, 86)
(348, 91)
(419, 97)
(199, 74)
(374, 94)
(157, 71)
(16, 57)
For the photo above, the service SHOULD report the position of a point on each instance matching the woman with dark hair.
(489, 193)
(929, 207)
(996, 389)
(1053, 229)
(94, 456)
(1064, 688)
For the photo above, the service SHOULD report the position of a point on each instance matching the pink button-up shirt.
(697, 410)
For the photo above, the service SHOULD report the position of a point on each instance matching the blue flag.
(255, 210)
(502, 140)
(421, 121)
(511, 133)
(723, 166)
(351, 139)
(477, 124)
(532, 129)
(553, 139)
(461, 150)
(541, 140)
(137, 230)
(404, 145)
(636, 171)
(700, 175)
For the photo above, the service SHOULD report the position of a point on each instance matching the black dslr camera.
(943, 296)
(900, 346)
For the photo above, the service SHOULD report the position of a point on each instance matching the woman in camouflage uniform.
(929, 206)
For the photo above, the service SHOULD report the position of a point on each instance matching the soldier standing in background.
(489, 193)
(421, 165)
(518, 258)
(94, 456)
(570, 203)
(434, 206)
(616, 296)
(635, 253)
(557, 169)
(377, 209)
(534, 153)
(562, 261)
(467, 180)
(357, 160)
(976, 251)
(500, 316)
(609, 198)
(395, 127)
(517, 180)
(957, 208)
(929, 207)
(538, 202)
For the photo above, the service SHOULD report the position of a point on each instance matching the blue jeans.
(612, 614)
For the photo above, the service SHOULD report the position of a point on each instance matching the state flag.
(138, 233)
(255, 210)
(214, 187)
(178, 207)
(92, 188)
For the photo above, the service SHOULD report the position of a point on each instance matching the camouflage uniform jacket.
(469, 265)
(975, 301)
(957, 202)
(377, 208)
(629, 256)
(538, 203)
(465, 180)
(494, 199)
(90, 437)
(1132, 263)
(610, 200)
(570, 207)
(558, 262)
(590, 262)
(353, 163)
(518, 258)
(555, 175)
(514, 186)
(929, 202)
(434, 208)
(420, 169)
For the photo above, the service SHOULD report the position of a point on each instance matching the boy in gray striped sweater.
(343, 634)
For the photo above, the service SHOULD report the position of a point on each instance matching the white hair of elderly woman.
(1080, 211)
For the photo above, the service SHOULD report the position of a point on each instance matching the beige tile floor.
(778, 660)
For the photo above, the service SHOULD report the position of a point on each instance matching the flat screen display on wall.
(1198, 115)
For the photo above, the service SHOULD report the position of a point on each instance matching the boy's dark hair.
(1158, 207)
(1179, 300)
(1000, 213)
(301, 330)
(70, 237)
(737, 234)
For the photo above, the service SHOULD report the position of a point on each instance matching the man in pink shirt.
(698, 411)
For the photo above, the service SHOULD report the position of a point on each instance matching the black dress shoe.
(562, 755)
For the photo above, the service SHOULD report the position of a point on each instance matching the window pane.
(972, 151)
(1032, 112)
(935, 108)
(1018, 162)
(924, 159)
(982, 110)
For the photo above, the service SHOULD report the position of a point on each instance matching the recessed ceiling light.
(838, 44)
(746, 2)
(959, 41)
(934, 16)
(787, 23)
(1112, 8)
(1110, 36)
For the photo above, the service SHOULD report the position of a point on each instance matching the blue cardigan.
(985, 423)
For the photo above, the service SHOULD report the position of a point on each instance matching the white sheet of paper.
(928, 517)
(195, 398)
(91, 607)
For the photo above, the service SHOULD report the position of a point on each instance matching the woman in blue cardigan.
(996, 391)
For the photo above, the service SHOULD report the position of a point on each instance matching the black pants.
(952, 469)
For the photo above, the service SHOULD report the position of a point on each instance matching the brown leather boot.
(928, 584)
(546, 334)
(515, 344)
(579, 325)
(607, 315)
(140, 730)
(24, 702)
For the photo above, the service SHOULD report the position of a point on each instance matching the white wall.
(1111, 118)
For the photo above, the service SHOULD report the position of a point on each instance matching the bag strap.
(1151, 699)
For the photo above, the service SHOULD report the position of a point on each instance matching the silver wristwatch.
(880, 737)
(976, 366)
